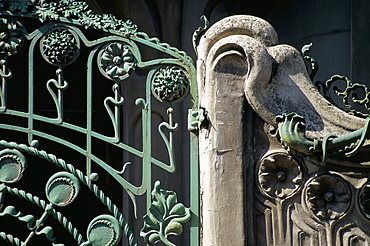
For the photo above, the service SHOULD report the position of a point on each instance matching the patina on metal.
(117, 56)
(292, 133)
(165, 217)
(354, 97)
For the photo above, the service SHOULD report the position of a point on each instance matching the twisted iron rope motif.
(27, 196)
(69, 226)
(85, 180)
(9, 238)
(42, 204)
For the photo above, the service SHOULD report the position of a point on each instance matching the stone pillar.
(289, 173)
(222, 70)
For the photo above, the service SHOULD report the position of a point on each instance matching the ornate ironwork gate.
(62, 113)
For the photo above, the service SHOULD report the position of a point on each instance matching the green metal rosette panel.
(90, 122)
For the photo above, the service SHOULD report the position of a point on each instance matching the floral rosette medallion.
(364, 200)
(116, 61)
(328, 196)
(279, 175)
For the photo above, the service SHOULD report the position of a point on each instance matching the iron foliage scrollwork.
(350, 94)
(22, 6)
(355, 97)
(78, 10)
(11, 37)
(292, 130)
(165, 217)
(311, 60)
(199, 32)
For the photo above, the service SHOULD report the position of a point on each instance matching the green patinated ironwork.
(199, 32)
(103, 230)
(292, 132)
(170, 84)
(355, 97)
(29, 219)
(78, 10)
(312, 61)
(12, 165)
(118, 56)
(11, 37)
(350, 95)
(165, 217)
(62, 189)
(195, 119)
(116, 61)
(59, 47)
(57, 198)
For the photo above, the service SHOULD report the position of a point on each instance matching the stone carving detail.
(12, 165)
(60, 47)
(279, 175)
(116, 61)
(11, 36)
(292, 119)
(170, 84)
(62, 189)
(165, 217)
(328, 196)
(364, 200)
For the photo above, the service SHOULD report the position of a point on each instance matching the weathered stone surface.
(255, 191)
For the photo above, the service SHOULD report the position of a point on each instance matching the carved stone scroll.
(279, 164)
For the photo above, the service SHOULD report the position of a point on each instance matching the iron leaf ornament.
(11, 36)
(79, 11)
(165, 217)
(355, 97)
(292, 133)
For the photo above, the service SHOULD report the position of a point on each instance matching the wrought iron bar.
(169, 80)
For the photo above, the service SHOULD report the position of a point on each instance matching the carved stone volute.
(275, 154)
